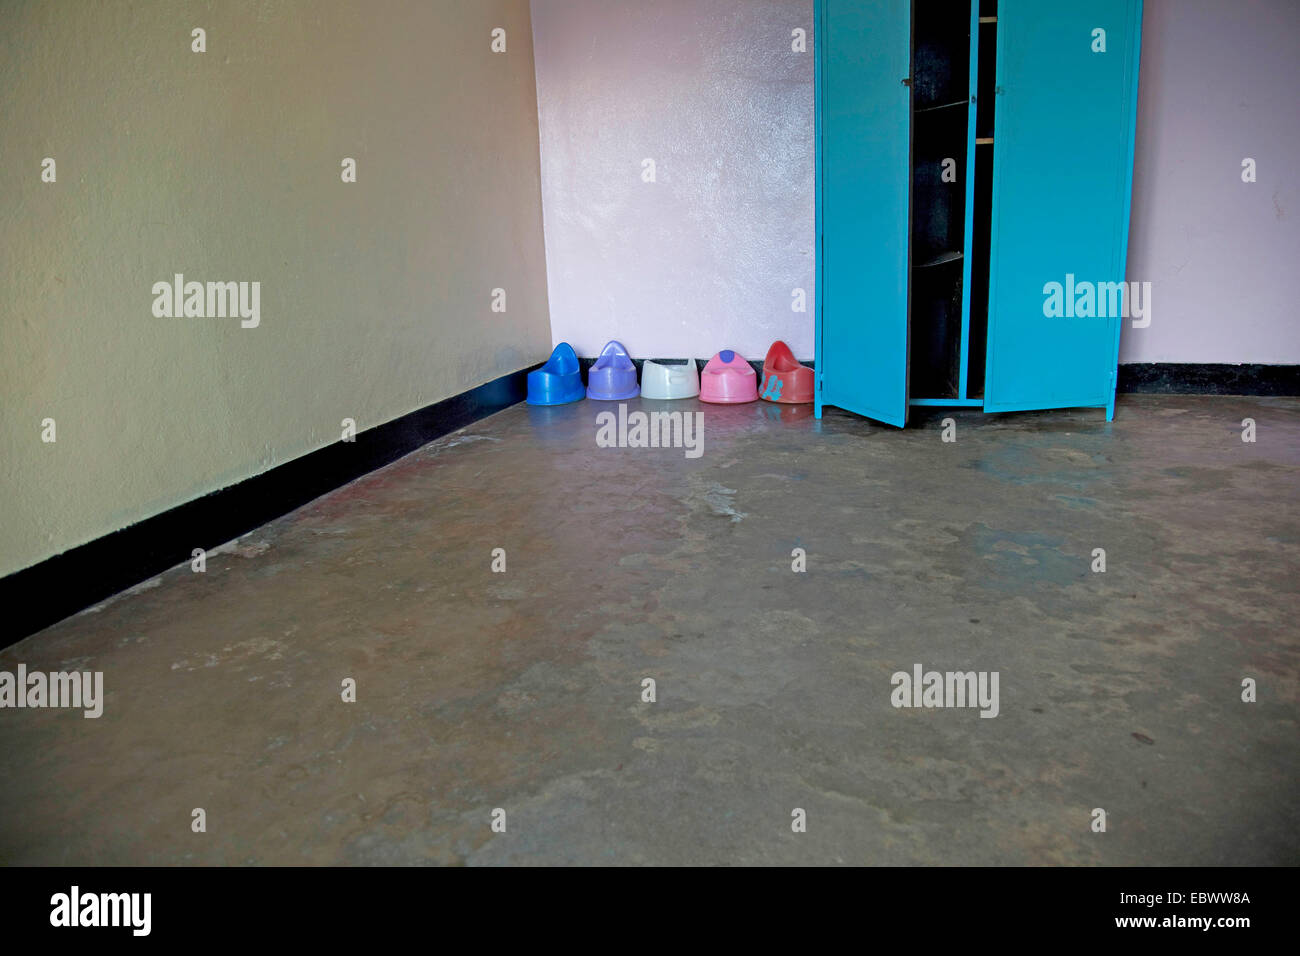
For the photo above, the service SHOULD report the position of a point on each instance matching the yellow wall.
(225, 165)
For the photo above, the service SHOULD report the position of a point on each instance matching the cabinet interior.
(952, 115)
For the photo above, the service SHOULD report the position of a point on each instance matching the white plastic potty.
(670, 381)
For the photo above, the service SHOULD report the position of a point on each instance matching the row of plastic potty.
(727, 378)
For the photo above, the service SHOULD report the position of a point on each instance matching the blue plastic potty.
(613, 377)
(559, 381)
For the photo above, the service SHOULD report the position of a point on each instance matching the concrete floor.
(522, 690)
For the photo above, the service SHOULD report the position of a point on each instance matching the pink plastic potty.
(728, 380)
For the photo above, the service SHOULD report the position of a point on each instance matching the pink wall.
(1219, 83)
(706, 257)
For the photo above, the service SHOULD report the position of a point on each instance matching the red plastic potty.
(784, 379)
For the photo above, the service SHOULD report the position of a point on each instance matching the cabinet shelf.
(941, 259)
(941, 106)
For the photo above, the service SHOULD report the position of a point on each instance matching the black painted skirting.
(1168, 378)
(38, 596)
(1163, 378)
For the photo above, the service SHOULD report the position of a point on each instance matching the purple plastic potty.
(728, 380)
(613, 377)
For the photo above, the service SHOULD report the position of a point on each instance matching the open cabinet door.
(863, 51)
(1062, 172)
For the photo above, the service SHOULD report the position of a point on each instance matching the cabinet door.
(863, 50)
(1062, 167)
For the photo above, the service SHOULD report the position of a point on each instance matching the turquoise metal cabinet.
(971, 160)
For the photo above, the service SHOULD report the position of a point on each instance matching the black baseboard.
(1169, 378)
(58, 587)
(1159, 378)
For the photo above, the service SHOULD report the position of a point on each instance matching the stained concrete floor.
(522, 690)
